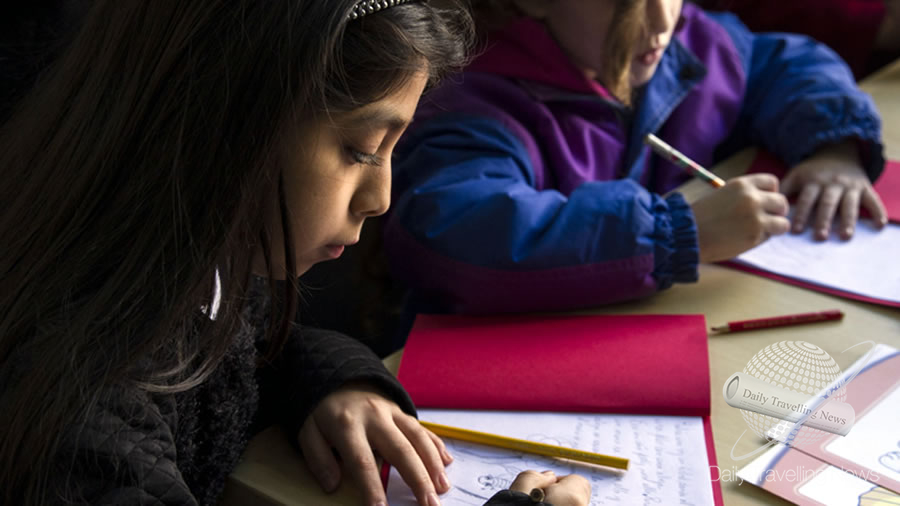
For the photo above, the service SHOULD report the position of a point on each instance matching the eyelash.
(364, 158)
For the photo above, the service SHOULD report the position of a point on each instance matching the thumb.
(527, 480)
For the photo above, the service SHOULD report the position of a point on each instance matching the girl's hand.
(569, 490)
(358, 421)
(738, 216)
(833, 182)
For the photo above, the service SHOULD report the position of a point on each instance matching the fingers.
(766, 182)
(360, 464)
(849, 212)
(358, 421)
(399, 451)
(527, 480)
(775, 225)
(318, 455)
(775, 203)
(804, 205)
(427, 449)
(838, 200)
(442, 448)
(776, 207)
(872, 202)
(571, 490)
(825, 210)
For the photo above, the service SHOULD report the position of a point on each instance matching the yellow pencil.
(523, 445)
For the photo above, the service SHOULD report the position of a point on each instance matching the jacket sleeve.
(800, 97)
(124, 454)
(511, 498)
(470, 231)
(315, 363)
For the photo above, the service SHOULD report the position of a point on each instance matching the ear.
(536, 9)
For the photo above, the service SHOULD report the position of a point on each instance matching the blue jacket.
(526, 187)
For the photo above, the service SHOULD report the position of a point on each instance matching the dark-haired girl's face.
(338, 173)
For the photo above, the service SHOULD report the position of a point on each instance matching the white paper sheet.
(668, 460)
(829, 485)
(833, 486)
(866, 265)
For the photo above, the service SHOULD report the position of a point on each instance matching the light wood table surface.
(272, 472)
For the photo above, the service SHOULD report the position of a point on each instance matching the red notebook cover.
(888, 188)
(630, 364)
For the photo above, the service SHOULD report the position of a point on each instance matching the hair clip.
(369, 6)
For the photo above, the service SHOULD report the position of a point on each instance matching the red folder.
(888, 188)
(630, 364)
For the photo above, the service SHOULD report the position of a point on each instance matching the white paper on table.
(829, 485)
(668, 459)
(865, 265)
(837, 487)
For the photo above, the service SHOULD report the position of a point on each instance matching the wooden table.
(272, 472)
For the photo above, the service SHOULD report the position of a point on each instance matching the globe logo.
(797, 366)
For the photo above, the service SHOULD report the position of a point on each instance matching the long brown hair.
(625, 29)
(136, 175)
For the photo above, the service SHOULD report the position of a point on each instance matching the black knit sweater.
(143, 449)
(140, 448)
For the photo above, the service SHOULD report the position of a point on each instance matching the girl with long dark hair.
(166, 181)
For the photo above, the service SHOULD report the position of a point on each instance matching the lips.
(334, 250)
(650, 57)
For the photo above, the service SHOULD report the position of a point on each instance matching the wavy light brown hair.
(626, 27)
(139, 168)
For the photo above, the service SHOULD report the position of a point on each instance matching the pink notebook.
(629, 364)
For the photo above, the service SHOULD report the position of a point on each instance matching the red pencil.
(780, 321)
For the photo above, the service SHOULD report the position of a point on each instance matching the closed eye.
(364, 158)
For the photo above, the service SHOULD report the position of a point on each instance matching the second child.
(525, 185)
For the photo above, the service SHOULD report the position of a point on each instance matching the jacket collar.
(678, 72)
(514, 50)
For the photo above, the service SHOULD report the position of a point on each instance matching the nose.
(373, 196)
(661, 17)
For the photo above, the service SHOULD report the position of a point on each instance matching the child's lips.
(334, 250)
(650, 57)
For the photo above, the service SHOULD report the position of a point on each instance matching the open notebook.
(630, 386)
(861, 269)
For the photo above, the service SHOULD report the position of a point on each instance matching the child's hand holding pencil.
(742, 214)
(568, 490)
(541, 487)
